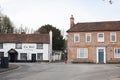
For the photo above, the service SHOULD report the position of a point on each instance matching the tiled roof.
(96, 26)
(24, 38)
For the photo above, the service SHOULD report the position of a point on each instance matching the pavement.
(11, 67)
(116, 79)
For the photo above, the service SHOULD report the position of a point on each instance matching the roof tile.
(24, 38)
(96, 26)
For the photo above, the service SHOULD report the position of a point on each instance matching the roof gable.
(96, 26)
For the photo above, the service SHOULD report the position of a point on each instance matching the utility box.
(4, 62)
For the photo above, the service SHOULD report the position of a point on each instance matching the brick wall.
(72, 47)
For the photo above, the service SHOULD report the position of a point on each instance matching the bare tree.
(22, 29)
(110, 1)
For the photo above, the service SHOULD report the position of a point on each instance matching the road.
(62, 71)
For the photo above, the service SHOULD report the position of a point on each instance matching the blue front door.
(101, 55)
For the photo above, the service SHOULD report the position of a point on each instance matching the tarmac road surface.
(62, 71)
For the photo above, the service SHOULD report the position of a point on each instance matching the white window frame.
(39, 56)
(84, 54)
(23, 57)
(76, 35)
(118, 54)
(100, 39)
(88, 34)
(111, 34)
(39, 45)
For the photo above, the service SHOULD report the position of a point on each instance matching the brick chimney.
(71, 21)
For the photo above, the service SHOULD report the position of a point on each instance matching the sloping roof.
(24, 38)
(96, 26)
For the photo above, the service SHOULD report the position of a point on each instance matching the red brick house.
(96, 42)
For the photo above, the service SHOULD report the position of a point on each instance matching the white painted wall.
(29, 48)
(6, 48)
(57, 56)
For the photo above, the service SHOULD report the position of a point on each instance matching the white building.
(57, 55)
(26, 47)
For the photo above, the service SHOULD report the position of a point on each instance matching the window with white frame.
(1, 45)
(117, 52)
(18, 45)
(100, 37)
(23, 56)
(39, 46)
(113, 36)
(40, 56)
(82, 52)
(76, 38)
(88, 37)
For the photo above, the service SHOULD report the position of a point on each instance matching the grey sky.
(35, 13)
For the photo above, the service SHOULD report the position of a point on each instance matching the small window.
(82, 53)
(88, 37)
(113, 36)
(117, 52)
(76, 38)
(23, 56)
(40, 56)
(100, 37)
(39, 46)
(1, 45)
(18, 45)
